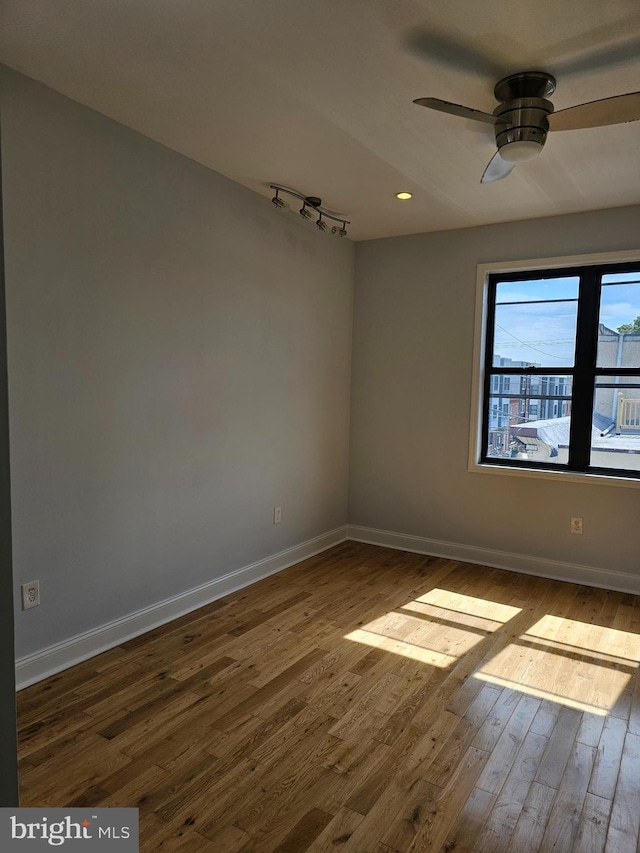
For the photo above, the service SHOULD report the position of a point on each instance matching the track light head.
(280, 203)
(310, 201)
(322, 225)
(340, 232)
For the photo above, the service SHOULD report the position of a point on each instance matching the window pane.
(615, 437)
(541, 290)
(532, 420)
(619, 329)
(528, 386)
(535, 334)
(625, 277)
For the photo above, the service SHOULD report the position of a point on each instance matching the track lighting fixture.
(311, 205)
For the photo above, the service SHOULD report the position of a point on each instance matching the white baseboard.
(49, 661)
(42, 664)
(539, 566)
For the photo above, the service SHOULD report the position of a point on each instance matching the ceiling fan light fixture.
(520, 150)
(524, 116)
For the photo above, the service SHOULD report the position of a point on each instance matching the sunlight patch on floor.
(468, 605)
(624, 645)
(399, 647)
(541, 694)
(577, 664)
(435, 628)
(570, 662)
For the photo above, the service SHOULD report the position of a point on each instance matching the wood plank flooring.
(365, 700)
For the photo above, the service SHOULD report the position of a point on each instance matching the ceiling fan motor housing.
(522, 126)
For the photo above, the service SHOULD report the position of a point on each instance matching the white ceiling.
(317, 95)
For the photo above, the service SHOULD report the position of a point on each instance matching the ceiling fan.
(524, 117)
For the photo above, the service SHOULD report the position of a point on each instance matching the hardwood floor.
(365, 700)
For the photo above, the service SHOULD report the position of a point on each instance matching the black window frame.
(584, 372)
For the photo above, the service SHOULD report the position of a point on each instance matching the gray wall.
(412, 362)
(179, 363)
(8, 746)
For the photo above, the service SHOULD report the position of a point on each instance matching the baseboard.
(42, 664)
(539, 566)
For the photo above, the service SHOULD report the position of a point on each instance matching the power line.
(524, 343)
(546, 341)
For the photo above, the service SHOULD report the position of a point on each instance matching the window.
(562, 366)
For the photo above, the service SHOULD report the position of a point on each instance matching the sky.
(543, 332)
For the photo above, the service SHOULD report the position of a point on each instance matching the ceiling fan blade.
(616, 110)
(455, 109)
(497, 169)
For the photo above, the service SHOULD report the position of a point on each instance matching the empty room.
(320, 421)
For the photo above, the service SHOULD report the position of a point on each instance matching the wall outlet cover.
(30, 594)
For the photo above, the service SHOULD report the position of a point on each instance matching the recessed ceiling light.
(404, 196)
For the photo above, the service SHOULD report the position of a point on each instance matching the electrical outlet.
(30, 594)
(277, 514)
(576, 525)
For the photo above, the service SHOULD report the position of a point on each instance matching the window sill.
(558, 476)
